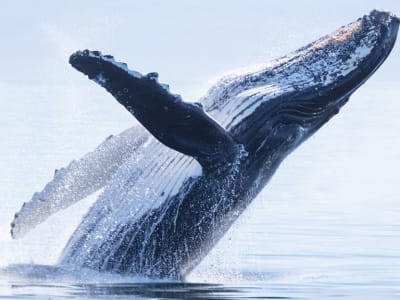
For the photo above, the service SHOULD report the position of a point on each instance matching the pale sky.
(188, 42)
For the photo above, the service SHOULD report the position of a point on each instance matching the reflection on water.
(162, 290)
(28, 288)
(27, 280)
(142, 291)
(41, 281)
(327, 225)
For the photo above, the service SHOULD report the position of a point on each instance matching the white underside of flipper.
(79, 179)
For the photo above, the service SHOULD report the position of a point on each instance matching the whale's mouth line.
(349, 56)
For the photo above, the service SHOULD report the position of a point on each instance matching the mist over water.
(326, 225)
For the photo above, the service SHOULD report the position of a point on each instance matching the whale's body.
(163, 210)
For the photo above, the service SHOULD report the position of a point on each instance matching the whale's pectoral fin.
(180, 125)
(78, 180)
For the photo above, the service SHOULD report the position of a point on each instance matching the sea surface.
(326, 226)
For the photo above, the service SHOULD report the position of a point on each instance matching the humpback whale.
(177, 182)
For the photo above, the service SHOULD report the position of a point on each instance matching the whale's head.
(273, 110)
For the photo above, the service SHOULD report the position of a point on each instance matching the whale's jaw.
(279, 107)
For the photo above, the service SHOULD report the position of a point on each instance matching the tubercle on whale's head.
(354, 53)
(370, 22)
(339, 63)
(289, 100)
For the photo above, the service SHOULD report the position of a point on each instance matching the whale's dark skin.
(237, 161)
(185, 126)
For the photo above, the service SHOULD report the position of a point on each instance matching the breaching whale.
(174, 186)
